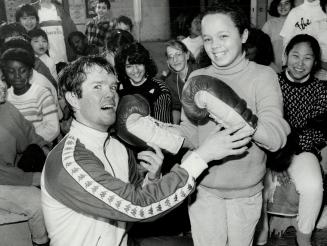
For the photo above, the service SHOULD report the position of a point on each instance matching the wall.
(155, 16)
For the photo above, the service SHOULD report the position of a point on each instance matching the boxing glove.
(135, 126)
(206, 97)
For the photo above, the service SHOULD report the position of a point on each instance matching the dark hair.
(27, 9)
(38, 32)
(264, 49)
(273, 8)
(126, 20)
(323, 4)
(106, 2)
(73, 34)
(74, 74)
(134, 53)
(116, 39)
(21, 43)
(234, 11)
(305, 38)
(11, 30)
(18, 54)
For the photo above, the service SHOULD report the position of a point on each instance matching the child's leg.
(242, 217)
(208, 219)
(305, 172)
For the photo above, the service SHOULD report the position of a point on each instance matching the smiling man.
(90, 183)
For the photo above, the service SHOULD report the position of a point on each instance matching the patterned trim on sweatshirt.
(117, 202)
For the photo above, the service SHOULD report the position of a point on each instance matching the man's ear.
(72, 99)
(245, 36)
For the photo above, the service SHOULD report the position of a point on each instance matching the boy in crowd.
(97, 28)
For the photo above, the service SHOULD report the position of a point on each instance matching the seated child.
(20, 143)
(27, 16)
(35, 102)
(78, 43)
(124, 23)
(40, 45)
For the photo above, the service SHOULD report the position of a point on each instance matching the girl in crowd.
(136, 70)
(35, 102)
(228, 200)
(181, 63)
(40, 45)
(27, 16)
(305, 107)
(279, 9)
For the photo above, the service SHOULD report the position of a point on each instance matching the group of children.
(291, 106)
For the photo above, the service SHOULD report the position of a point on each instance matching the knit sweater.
(157, 94)
(16, 134)
(241, 176)
(304, 102)
(37, 106)
(91, 187)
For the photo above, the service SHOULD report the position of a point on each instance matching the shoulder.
(161, 86)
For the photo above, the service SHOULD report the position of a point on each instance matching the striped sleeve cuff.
(194, 164)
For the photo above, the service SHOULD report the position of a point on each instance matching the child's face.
(101, 9)
(176, 58)
(28, 22)
(284, 7)
(3, 89)
(222, 40)
(40, 45)
(78, 44)
(196, 26)
(300, 61)
(17, 74)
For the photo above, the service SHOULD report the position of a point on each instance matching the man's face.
(97, 106)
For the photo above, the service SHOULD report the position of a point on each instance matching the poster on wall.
(90, 7)
(11, 7)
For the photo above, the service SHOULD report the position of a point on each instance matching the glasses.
(177, 55)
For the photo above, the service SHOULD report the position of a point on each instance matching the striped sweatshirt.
(37, 106)
(157, 94)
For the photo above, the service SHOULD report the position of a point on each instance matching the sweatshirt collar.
(87, 134)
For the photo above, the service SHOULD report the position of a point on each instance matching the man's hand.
(152, 161)
(220, 144)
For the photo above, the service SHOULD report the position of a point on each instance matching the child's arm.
(49, 128)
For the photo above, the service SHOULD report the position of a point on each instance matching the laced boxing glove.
(135, 126)
(206, 97)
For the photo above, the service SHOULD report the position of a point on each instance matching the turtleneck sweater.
(241, 176)
(91, 187)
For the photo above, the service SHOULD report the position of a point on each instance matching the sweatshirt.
(91, 187)
(241, 176)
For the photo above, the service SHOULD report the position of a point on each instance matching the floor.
(288, 239)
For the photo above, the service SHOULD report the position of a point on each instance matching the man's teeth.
(107, 107)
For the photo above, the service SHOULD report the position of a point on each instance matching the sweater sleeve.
(162, 108)
(272, 128)
(49, 128)
(82, 184)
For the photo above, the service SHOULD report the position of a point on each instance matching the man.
(90, 184)
(21, 149)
